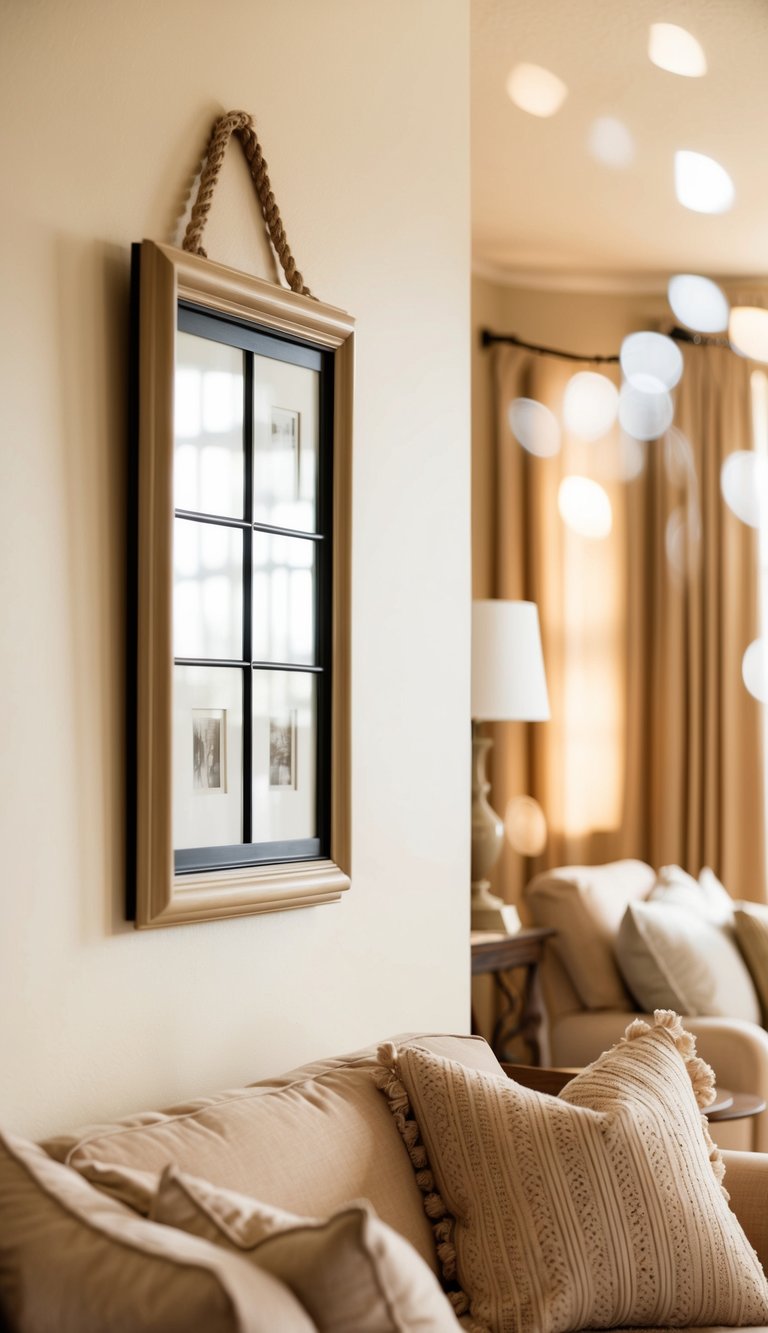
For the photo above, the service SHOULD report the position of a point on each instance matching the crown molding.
(738, 287)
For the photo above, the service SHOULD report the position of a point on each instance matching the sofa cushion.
(673, 958)
(601, 1207)
(585, 905)
(705, 896)
(74, 1261)
(751, 926)
(352, 1272)
(309, 1142)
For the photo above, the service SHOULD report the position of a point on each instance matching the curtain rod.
(488, 339)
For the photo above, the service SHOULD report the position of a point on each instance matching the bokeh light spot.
(701, 184)
(676, 50)
(754, 669)
(611, 143)
(748, 331)
(651, 362)
(744, 484)
(590, 405)
(535, 427)
(698, 303)
(645, 416)
(585, 507)
(525, 825)
(536, 90)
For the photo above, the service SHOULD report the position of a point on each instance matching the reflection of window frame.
(164, 889)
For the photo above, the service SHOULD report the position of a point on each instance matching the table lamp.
(508, 685)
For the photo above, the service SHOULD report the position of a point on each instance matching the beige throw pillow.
(599, 1208)
(751, 924)
(672, 958)
(74, 1261)
(352, 1273)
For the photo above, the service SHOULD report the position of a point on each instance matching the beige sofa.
(75, 1258)
(588, 1005)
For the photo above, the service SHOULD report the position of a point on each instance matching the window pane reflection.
(283, 599)
(207, 756)
(284, 755)
(208, 427)
(208, 590)
(285, 441)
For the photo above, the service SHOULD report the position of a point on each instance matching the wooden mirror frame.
(157, 894)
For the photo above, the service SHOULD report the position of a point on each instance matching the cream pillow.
(671, 958)
(599, 1208)
(352, 1273)
(751, 924)
(706, 895)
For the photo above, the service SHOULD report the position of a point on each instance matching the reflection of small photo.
(284, 437)
(282, 750)
(209, 750)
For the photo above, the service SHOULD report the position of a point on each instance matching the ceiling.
(541, 202)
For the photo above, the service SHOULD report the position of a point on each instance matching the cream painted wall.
(363, 112)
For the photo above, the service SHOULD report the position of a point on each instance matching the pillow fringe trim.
(701, 1074)
(387, 1078)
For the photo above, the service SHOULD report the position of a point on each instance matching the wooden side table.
(523, 1013)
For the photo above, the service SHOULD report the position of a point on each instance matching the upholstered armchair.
(588, 1002)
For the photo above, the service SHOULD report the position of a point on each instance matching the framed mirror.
(239, 595)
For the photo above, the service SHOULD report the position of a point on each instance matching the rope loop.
(240, 124)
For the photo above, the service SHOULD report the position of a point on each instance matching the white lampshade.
(508, 681)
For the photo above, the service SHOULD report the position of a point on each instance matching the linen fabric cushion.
(599, 1208)
(672, 958)
(585, 905)
(74, 1261)
(308, 1140)
(751, 926)
(352, 1273)
(705, 896)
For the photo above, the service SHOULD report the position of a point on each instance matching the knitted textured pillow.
(598, 1208)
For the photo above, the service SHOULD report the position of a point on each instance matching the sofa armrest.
(736, 1050)
(746, 1180)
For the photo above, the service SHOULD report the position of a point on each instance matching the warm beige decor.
(352, 1273)
(656, 751)
(585, 905)
(751, 925)
(673, 958)
(602, 1207)
(705, 896)
(350, 1146)
(74, 1261)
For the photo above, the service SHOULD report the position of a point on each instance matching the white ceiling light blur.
(585, 507)
(698, 303)
(676, 50)
(701, 184)
(611, 143)
(754, 670)
(534, 426)
(536, 90)
(645, 416)
(748, 331)
(744, 484)
(651, 362)
(590, 405)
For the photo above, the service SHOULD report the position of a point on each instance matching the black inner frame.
(250, 338)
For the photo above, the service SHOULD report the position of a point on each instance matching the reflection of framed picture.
(282, 750)
(209, 750)
(284, 438)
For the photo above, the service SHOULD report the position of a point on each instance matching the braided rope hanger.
(240, 123)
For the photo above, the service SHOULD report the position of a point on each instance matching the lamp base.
(493, 914)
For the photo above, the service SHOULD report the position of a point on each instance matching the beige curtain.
(655, 747)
